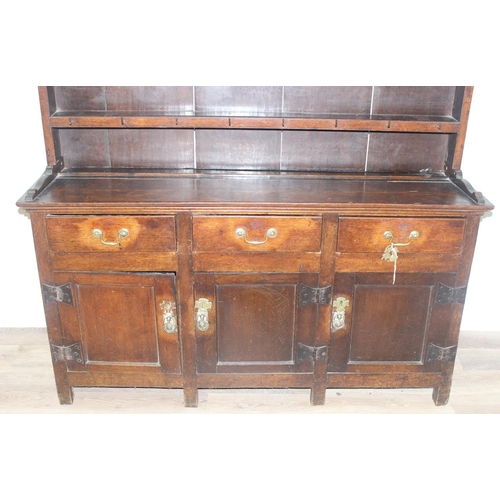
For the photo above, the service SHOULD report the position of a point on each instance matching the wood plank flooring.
(27, 387)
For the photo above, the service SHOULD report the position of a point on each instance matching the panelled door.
(382, 327)
(255, 323)
(118, 322)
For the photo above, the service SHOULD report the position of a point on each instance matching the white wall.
(24, 159)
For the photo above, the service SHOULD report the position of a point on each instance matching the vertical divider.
(185, 294)
(323, 324)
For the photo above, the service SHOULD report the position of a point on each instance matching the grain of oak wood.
(27, 387)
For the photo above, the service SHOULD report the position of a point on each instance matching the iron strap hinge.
(71, 352)
(436, 353)
(308, 353)
(310, 295)
(446, 294)
(61, 293)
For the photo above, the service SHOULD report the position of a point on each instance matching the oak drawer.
(84, 234)
(256, 234)
(367, 235)
(362, 242)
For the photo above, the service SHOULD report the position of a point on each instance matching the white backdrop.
(24, 159)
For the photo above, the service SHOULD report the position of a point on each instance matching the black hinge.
(436, 353)
(72, 352)
(61, 293)
(309, 295)
(308, 353)
(447, 294)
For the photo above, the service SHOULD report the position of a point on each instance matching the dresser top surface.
(73, 193)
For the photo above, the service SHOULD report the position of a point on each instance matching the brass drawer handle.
(271, 233)
(122, 233)
(413, 236)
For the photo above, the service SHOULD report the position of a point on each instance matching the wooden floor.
(27, 386)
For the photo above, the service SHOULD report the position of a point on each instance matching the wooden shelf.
(379, 123)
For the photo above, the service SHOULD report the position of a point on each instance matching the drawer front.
(257, 234)
(367, 235)
(68, 234)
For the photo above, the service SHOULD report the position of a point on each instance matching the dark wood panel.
(124, 379)
(238, 149)
(118, 320)
(324, 151)
(133, 261)
(254, 380)
(255, 323)
(411, 100)
(119, 323)
(388, 327)
(80, 98)
(407, 152)
(382, 380)
(327, 100)
(154, 148)
(406, 263)
(389, 323)
(239, 100)
(252, 262)
(85, 147)
(167, 99)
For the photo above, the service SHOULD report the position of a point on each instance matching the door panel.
(388, 327)
(118, 319)
(256, 323)
(116, 322)
(389, 323)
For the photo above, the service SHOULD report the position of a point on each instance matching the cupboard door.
(121, 321)
(388, 327)
(254, 323)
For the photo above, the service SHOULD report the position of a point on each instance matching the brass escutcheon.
(169, 322)
(203, 305)
(339, 306)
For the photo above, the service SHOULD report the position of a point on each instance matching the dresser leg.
(190, 398)
(65, 394)
(318, 396)
(441, 395)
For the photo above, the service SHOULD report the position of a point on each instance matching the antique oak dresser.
(254, 237)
